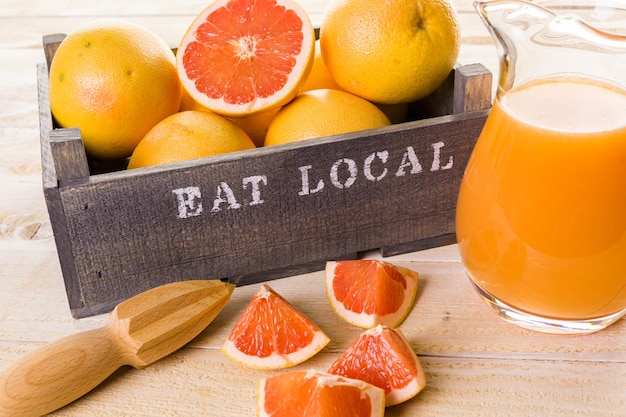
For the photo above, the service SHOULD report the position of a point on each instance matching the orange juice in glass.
(541, 213)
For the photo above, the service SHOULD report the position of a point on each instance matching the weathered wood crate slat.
(261, 214)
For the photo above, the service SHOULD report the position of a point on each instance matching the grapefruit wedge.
(271, 333)
(366, 293)
(241, 57)
(318, 394)
(383, 357)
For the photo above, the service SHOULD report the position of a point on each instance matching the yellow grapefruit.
(390, 51)
(319, 77)
(114, 80)
(255, 125)
(188, 135)
(241, 57)
(323, 112)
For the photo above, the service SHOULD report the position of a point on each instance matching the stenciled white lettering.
(189, 202)
(352, 172)
(254, 182)
(343, 174)
(224, 195)
(304, 174)
(367, 165)
(409, 159)
(436, 166)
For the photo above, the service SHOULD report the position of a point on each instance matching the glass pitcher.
(541, 213)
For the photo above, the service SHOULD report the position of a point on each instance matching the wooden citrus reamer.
(140, 331)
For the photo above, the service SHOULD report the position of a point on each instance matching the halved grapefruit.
(383, 357)
(271, 333)
(318, 394)
(240, 57)
(367, 292)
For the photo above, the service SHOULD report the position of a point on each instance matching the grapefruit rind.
(324, 379)
(295, 79)
(369, 321)
(404, 354)
(277, 360)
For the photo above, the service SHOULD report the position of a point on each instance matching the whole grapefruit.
(114, 80)
(390, 51)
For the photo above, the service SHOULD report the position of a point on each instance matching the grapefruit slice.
(318, 394)
(383, 357)
(366, 293)
(271, 333)
(240, 57)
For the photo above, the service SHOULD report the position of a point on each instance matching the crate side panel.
(262, 211)
(48, 173)
(52, 195)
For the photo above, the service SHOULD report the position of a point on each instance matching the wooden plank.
(53, 196)
(456, 387)
(50, 44)
(265, 209)
(287, 271)
(428, 243)
(472, 88)
(45, 127)
(68, 154)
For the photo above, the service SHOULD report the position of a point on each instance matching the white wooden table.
(476, 365)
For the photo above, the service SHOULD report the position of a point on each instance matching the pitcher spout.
(534, 41)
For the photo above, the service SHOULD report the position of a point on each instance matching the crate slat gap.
(260, 214)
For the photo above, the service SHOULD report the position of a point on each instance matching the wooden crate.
(260, 214)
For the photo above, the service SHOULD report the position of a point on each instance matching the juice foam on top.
(568, 105)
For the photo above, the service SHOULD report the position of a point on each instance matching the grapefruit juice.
(541, 213)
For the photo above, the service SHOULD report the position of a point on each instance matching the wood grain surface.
(475, 364)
